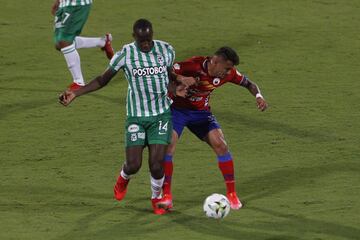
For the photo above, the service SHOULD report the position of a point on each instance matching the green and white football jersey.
(67, 3)
(147, 76)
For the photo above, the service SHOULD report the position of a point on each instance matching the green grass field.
(297, 164)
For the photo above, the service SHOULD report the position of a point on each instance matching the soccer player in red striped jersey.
(194, 112)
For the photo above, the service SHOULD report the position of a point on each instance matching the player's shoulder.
(193, 64)
(235, 71)
(125, 48)
(163, 44)
(197, 59)
(197, 62)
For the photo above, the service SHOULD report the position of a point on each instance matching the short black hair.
(228, 54)
(142, 24)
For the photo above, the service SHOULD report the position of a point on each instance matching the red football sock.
(226, 166)
(168, 169)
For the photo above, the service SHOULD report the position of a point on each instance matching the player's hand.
(181, 90)
(261, 103)
(188, 81)
(67, 97)
(55, 7)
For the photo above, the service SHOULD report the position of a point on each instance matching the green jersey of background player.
(70, 18)
(147, 65)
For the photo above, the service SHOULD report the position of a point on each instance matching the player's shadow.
(288, 226)
(276, 182)
(224, 229)
(284, 179)
(304, 225)
(48, 192)
(273, 126)
(128, 218)
(28, 104)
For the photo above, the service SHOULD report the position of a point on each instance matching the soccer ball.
(216, 206)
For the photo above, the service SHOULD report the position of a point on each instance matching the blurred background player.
(146, 64)
(193, 111)
(70, 17)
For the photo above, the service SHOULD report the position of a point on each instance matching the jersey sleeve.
(118, 60)
(237, 77)
(171, 56)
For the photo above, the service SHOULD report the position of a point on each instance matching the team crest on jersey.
(176, 66)
(216, 81)
(160, 59)
(133, 137)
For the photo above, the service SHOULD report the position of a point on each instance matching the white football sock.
(124, 175)
(156, 186)
(73, 62)
(86, 42)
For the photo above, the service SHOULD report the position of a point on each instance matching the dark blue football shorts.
(199, 122)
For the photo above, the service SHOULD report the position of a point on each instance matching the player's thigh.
(159, 130)
(69, 22)
(201, 123)
(179, 120)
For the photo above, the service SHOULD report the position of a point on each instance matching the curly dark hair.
(142, 24)
(228, 54)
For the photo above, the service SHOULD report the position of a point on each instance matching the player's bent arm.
(251, 86)
(97, 83)
(255, 91)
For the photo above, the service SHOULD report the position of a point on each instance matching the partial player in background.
(70, 17)
(147, 65)
(193, 112)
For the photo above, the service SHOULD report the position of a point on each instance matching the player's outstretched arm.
(55, 7)
(99, 82)
(255, 91)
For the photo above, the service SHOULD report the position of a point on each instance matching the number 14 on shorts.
(163, 127)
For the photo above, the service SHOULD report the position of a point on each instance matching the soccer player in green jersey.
(70, 17)
(147, 65)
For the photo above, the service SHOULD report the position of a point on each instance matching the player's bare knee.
(157, 170)
(171, 149)
(220, 148)
(132, 167)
